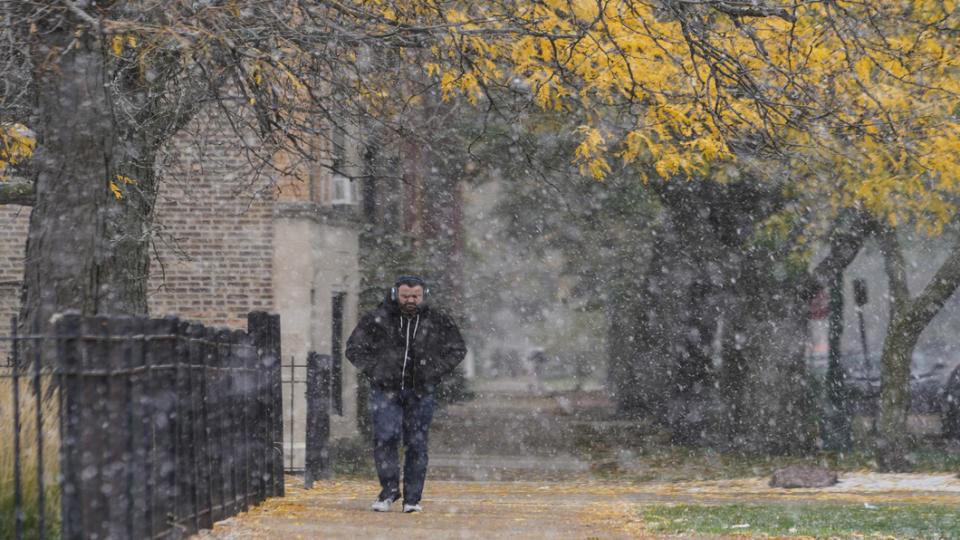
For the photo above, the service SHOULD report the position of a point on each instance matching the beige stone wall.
(315, 256)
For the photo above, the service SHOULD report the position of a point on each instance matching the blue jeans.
(397, 414)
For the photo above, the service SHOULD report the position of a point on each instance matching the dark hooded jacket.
(430, 338)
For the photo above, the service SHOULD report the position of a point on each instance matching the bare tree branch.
(75, 9)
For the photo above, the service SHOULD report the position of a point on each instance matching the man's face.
(409, 297)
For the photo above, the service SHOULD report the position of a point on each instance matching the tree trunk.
(644, 328)
(763, 376)
(775, 382)
(895, 360)
(694, 395)
(733, 375)
(895, 396)
(908, 318)
(623, 365)
(765, 308)
(86, 249)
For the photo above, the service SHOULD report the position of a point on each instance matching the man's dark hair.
(411, 281)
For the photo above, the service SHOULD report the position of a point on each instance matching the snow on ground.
(868, 481)
(852, 487)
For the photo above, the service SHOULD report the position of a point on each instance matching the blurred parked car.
(929, 378)
(950, 407)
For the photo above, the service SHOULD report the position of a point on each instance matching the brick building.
(13, 234)
(228, 241)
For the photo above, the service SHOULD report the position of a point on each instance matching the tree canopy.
(856, 98)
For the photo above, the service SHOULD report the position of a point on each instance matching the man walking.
(404, 346)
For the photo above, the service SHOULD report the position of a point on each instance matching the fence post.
(318, 417)
(276, 393)
(228, 423)
(161, 348)
(186, 502)
(214, 399)
(256, 439)
(112, 425)
(244, 362)
(265, 327)
(91, 452)
(69, 356)
(91, 444)
(196, 356)
(38, 396)
(146, 428)
(140, 439)
(17, 479)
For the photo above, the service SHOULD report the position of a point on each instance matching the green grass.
(817, 521)
(679, 464)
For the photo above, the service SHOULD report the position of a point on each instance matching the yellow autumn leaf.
(16, 145)
(115, 190)
(863, 67)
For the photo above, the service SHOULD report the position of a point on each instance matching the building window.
(342, 190)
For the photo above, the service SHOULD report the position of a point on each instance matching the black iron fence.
(318, 393)
(160, 427)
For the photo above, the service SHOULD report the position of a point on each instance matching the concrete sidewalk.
(515, 464)
(474, 510)
(340, 509)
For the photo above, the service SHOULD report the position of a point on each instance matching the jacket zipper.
(406, 350)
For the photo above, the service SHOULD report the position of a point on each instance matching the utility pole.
(860, 299)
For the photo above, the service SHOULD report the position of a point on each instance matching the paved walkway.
(511, 464)
(340, 509)
(496, 510)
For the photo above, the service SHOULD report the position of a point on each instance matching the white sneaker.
(410, 508)
(381, 505)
